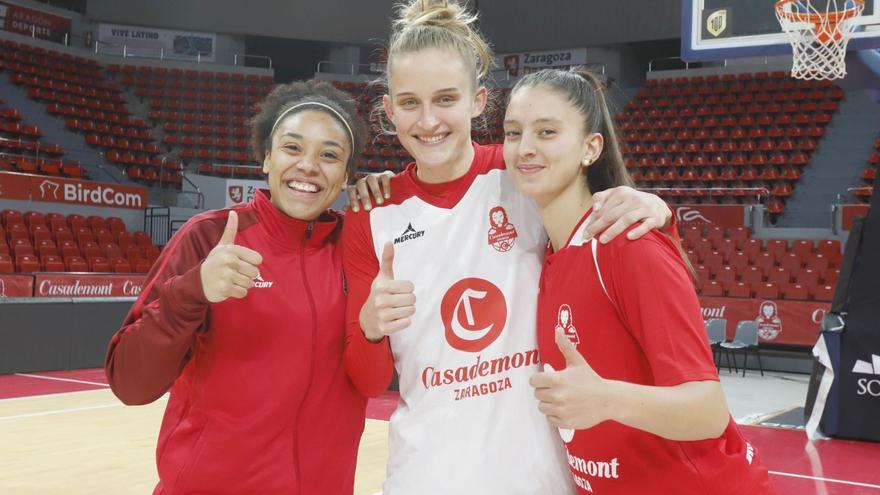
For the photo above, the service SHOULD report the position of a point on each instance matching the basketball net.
(819, 31)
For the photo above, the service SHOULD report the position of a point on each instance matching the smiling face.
(545, 144)
(431, 105)
(306, 165)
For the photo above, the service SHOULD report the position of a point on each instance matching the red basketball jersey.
(631, 310)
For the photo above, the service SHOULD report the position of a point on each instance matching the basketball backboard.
(721, 29)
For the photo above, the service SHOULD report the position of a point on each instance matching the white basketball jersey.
(467, 421)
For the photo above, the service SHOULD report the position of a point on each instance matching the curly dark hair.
(285, 96)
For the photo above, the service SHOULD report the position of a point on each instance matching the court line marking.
(71, 380)
(70, 410)
(59, 394)
(829, 480)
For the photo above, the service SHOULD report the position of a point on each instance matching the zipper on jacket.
(311, 298)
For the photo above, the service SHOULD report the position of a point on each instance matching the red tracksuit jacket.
(260, 401)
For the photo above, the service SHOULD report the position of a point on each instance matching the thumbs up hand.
(575, 397)
(229, 270)
(391, 303)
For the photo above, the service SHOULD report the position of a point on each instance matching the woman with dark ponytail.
(628, 379)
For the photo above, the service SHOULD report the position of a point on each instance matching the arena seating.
(22, 148)
(866, 187)
(33, 241)
(204, 114)
(734, 264)
(74, 88)
(725, 131)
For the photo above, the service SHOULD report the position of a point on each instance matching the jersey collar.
(292, 232)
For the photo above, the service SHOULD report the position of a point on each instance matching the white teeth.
(302, 186)
(433, 139)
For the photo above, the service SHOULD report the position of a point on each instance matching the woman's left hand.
(616, 209)
(575, 397)
(377, 185)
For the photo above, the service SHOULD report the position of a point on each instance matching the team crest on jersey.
(769, 323)
(502, 233)
(565, 322)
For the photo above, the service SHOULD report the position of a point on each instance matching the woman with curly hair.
(242, 320)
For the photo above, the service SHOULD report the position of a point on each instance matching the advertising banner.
(779, 322)
(61, 190)
(715, 215)
(152, 41)
(32, 22)
(242, 191)
(87, 285)
(518, 64)
(16, 285)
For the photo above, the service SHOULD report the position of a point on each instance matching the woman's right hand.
(377, 185)
(391, 303)
(229, 270)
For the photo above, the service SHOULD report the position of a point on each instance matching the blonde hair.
(444, 24)
(441, 24)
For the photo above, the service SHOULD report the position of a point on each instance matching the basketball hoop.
(818, 36)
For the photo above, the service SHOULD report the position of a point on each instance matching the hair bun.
(440, 13)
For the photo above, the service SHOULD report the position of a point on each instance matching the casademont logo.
(690, 214)
(868, 386)
(94, 194)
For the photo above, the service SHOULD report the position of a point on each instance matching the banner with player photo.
(242, 191)
(779, 321)
(518, 64)
(151, 42)
(30, 22)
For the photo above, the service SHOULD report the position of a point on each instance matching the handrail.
(373, 68)
(125, 51)
(761, 191)
(246, 56)
(200, 196)
(651, 62)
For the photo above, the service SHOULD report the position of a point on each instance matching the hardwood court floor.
(65, 433)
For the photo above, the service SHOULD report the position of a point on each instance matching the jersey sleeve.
(657, 301)
(369, 365)
(149, 351)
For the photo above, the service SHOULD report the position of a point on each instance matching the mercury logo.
(259, 283)
(409, 234)
(868, 386)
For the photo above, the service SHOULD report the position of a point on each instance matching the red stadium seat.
(27, 263)
(818, 263)
(791, 262)
(767, 291)
(776, 248)
(120, 265)
(76, 264)
(795, 291)
(752, 276)
(52, 263)
(142, 266)
(712, 289)
(99, 264)
(740, 289)
(779, 276)
(824, 293)
(6, 264)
